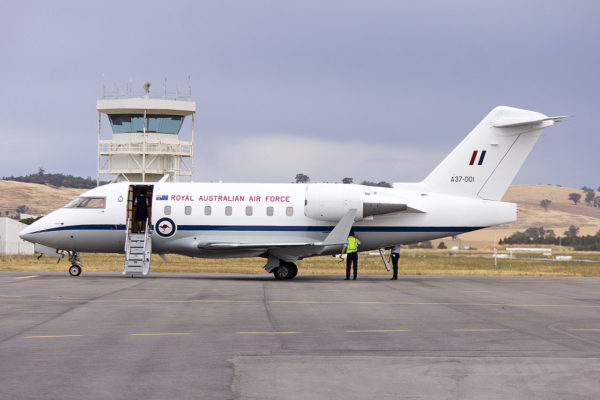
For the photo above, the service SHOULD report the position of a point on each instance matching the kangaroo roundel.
(165, 227)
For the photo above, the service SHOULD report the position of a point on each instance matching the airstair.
(138, 251)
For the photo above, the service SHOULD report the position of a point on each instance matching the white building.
(10, 242)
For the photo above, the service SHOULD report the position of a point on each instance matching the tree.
(442, 245)
(535, 233)
(22, 209)
(379, 184)
(589, 197)
(347, 180)
(545, 204)
(574, 197)
(572, 231)
(587, 189)
(41, 171)
(30, 220)
(301, 178)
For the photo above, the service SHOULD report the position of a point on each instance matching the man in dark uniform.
(141, 212)
(395, 256)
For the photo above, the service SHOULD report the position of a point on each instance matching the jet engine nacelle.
(329, 202)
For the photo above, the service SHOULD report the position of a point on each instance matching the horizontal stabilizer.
(514, 123)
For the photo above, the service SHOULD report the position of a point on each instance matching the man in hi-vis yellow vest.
(351, 250)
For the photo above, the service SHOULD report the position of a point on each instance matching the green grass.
(412, 262)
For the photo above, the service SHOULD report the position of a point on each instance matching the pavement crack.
(267, 305)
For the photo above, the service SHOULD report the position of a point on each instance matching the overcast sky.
(374, 90)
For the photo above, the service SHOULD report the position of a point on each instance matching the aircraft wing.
(336, 237)
(252, 246)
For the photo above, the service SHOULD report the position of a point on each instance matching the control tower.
(145, 144)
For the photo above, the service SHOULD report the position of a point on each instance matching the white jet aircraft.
(284, 223)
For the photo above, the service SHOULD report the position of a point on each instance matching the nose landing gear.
(75, 260)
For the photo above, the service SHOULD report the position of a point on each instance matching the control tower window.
(125, 123)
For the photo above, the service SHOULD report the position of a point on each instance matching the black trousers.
(351, 258)
(395, 258)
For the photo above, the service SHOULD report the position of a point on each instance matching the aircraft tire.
(285, 271)
(75, 270)
(294, 271)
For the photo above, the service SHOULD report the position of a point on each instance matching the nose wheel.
(75, 260)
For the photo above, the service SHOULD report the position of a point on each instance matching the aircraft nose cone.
(28, 233)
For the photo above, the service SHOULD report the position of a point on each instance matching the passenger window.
(207, 210)
(228, 210)
(269, 211)
(167, 210)
(249, 210)
(289, 211)
(188, 210)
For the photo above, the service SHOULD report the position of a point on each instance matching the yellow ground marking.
(378, 331)
(51, 336)
(160, 334)
(266, 333)
(584, 330)
(69, 298)
(376, 303)
(482, 330)
(25, 277)
(5, 295)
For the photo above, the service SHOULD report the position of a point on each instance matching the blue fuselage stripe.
(276, 228)
(88, 227)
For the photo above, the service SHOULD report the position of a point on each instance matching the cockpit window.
(87, 202)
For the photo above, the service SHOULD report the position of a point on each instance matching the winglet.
(340, 232)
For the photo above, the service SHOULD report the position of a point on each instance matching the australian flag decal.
(162, 197)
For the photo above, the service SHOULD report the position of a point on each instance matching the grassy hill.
(561, 213)
(39, 199)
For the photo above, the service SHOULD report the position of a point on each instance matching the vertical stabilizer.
(485, 163)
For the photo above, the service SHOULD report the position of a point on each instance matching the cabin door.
(139, 207)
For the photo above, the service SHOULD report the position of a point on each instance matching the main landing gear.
(285, 271)
(75, 260)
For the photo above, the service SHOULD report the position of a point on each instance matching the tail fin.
(485, 163)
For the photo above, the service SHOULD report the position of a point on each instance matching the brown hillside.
(39, 199)
(560, 215)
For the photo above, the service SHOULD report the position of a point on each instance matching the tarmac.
(207, 336)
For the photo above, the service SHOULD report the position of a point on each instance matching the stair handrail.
(127, 241)
(145, 263)
(145, 234)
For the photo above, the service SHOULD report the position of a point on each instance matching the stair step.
(138, 256)
(134, 263)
